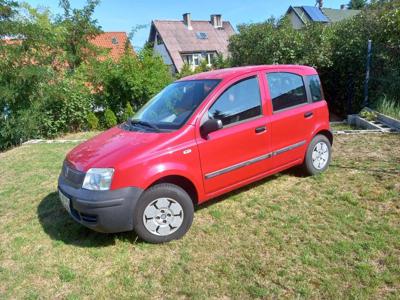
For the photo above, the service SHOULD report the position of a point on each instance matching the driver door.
(239, 150)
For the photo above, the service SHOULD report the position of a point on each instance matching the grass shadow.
(60, 226)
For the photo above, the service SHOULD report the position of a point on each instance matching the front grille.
(73, 176)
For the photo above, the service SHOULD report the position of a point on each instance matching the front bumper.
(103, 211)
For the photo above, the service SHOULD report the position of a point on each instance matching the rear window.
(286, 90)
(315, 88)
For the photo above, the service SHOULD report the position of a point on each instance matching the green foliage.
(79, 27)
(388, 107)
(7, 9)
(338, 51)
(134, 79)
(357, 4)
(368, 114)
(128, 112)
(219, 62)
(186, 70)
(52, 80)
(109, 118)
(93, 121)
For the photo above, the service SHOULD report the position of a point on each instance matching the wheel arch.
(181, 181)
(327, 133)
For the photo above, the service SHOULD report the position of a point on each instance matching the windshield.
(173, 106)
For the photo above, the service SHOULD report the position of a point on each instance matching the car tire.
(164, 213)
(318, 155)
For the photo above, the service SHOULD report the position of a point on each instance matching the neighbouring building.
(116, 42)
(302, 15)
(188, 41)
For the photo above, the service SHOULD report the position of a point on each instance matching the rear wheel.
(164, 213)
(318, 155)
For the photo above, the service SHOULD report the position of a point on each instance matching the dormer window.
(114, 41)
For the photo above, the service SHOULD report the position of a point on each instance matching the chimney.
(187, 21)
(216, 21)
(343, 6)
(320, 3)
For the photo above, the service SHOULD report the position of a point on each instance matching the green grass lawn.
(336, 235)
(343, 126)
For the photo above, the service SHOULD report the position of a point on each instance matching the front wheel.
(318, 155)
(163, 213)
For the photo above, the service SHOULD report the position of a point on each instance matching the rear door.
(291, 119)
(239, 150)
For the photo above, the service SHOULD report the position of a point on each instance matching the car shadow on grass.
(294, 171)
(60, 226)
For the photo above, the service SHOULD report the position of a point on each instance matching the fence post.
(366, 102)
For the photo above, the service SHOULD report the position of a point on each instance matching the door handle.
(308, 114)
(260, 129)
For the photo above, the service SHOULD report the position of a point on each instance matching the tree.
(79, 28)
(7, 9)
(357, 4)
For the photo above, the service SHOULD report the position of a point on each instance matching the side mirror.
(209, 126)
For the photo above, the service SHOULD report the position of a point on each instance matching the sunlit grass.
(388, 107)
(336, 235)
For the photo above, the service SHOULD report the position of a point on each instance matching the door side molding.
(253, 160)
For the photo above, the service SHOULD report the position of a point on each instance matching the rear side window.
(286, 89)
(239, 102)
(315, 88)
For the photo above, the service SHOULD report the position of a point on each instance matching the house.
(116, 42)
(188, 41)
(302, 15)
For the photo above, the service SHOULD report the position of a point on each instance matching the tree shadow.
(60, 226)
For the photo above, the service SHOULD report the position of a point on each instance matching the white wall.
(296, 22)
(162, 51)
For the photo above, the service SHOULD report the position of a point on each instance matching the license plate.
(64, 201)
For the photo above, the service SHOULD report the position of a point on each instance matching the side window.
(315, 88)
(286, 89)
(239, 102)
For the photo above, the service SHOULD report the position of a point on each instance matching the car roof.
(238, 71)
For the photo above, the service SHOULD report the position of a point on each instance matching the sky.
(124, 15)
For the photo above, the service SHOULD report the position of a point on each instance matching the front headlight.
(98, 179)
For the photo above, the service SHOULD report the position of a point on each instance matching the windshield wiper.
(144, 123)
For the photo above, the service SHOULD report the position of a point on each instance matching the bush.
(92, 121)
(128, 112)
(338, 51)
(134, 79)
(109, 118)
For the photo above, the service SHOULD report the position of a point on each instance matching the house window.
(114, 41)
(195, 59)
(159, 40)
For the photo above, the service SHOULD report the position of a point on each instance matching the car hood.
(108, 148)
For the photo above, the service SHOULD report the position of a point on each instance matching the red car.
(200, 137)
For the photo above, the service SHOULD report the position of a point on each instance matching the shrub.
(109, 118)
(133, 78)
(128, 112)
(93, 121)
(338, 51)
